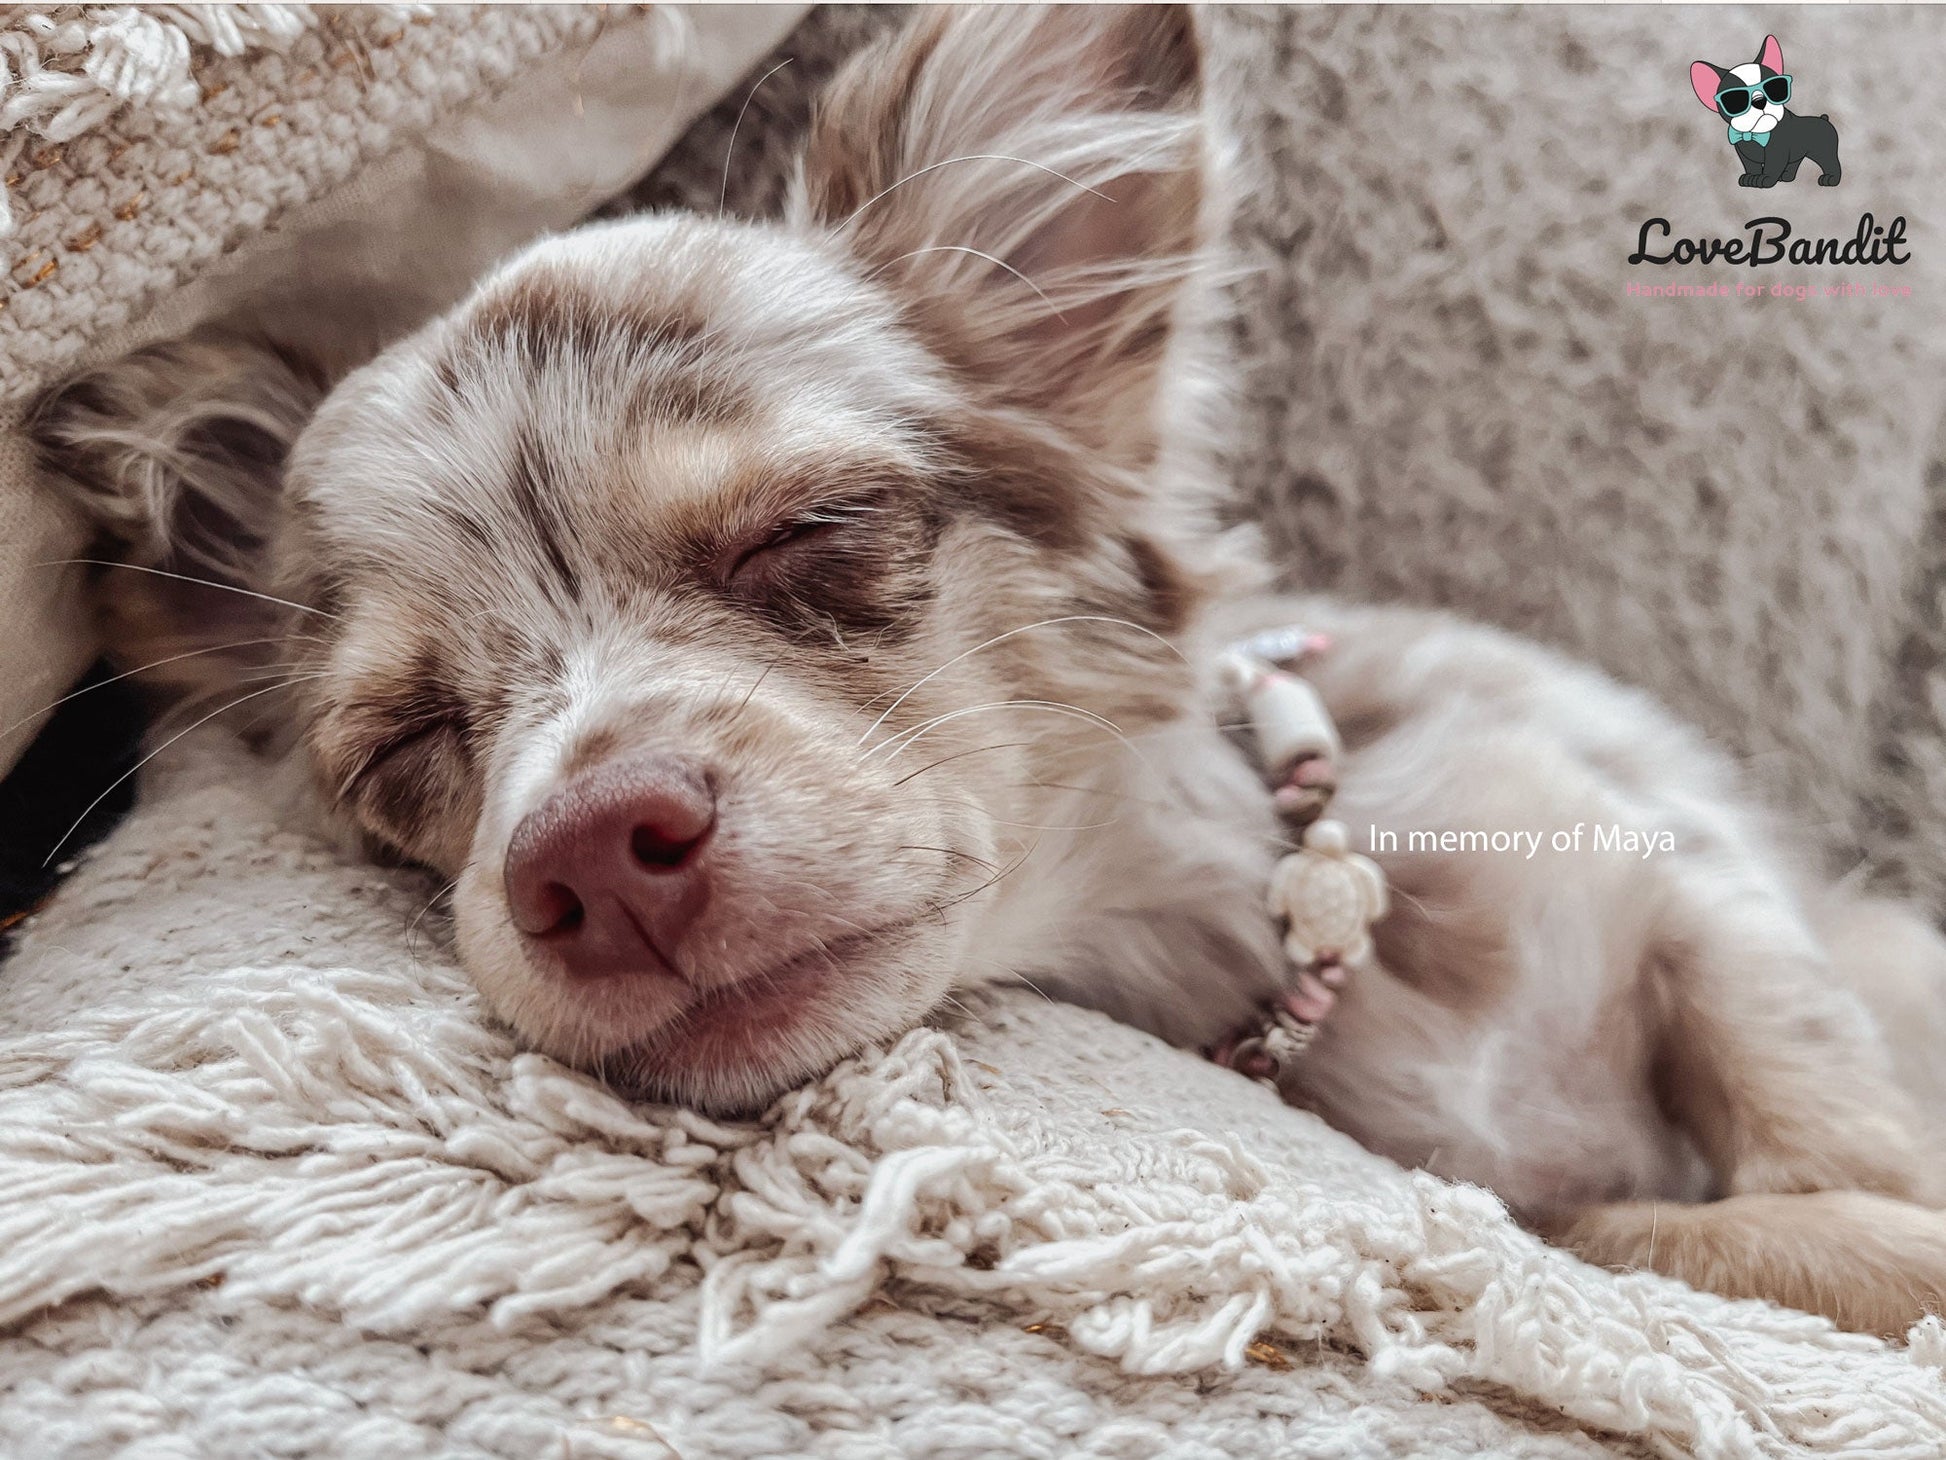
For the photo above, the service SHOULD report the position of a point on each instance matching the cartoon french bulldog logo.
(1770, 138)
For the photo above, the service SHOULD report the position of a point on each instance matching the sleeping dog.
(772, 629)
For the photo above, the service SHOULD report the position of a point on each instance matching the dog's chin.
(731, 1051)
(727, 1050)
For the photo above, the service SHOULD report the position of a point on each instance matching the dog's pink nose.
(610, 870)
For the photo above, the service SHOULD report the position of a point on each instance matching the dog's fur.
(895, 516)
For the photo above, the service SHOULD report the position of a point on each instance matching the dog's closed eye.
(400, 754)
(416, 790)
(784, 540)
(826, 555)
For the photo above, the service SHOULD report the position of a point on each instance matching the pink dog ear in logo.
(1772, 55)
(1707, 81)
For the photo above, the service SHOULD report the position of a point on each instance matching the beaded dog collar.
(1326, 896)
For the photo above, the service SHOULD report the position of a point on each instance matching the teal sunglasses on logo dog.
(1735, 100)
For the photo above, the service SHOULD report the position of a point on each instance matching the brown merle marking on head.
(545, 307)
(1170, 595)
(530, 492)
(686, 393)
(1020, 478)
(548, 315)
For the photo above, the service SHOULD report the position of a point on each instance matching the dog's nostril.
(559, 910)
(655, 846)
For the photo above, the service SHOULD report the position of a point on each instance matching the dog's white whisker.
(413, 927)
(184, 578)
(956, 755)
(1046, 623)
(125, 775)
(979, 810)
(131, 673)
(947, 852)
(730, 147)
(898, 744)
(997, 262)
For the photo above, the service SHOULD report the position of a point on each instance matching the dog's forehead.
(1749, 73)
(605, 378)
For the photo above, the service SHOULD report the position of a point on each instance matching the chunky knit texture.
(68, 69)
(108, 220)
(275, 1187)
(182, 135)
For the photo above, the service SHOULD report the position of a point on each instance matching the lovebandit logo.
(1771, 140)
(1769, 241)
(1773, 143)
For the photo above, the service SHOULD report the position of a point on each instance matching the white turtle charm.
(1329, 897)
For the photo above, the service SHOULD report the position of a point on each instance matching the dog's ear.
(1706, 80)
(175, 456)
(1030, 183)
(1771, 55)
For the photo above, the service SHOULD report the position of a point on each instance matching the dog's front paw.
(1827, 182)
(1747, 181)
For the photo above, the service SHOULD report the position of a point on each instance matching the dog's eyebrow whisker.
(730, 147)
(1046, 623)
(971, 157)
(183, 578)
(998, 263)
(129, 674)
(125, 775)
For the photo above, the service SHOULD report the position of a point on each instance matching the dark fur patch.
(547, 316)
(543, 309)
(1026, 481)
(528, 488)
(1169, 594)
(688, 394)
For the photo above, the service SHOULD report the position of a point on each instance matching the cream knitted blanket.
(273, 1187)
